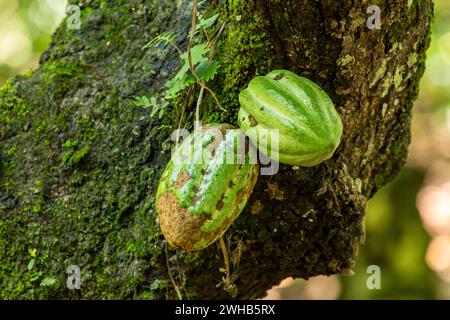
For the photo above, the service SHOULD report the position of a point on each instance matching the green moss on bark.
(86, 204)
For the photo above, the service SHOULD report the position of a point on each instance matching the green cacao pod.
(310, 128)
(205, 186)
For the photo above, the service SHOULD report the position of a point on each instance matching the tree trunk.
(80, 162)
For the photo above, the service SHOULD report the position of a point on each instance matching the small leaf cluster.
(205, 67)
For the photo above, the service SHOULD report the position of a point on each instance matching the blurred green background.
(408, 221)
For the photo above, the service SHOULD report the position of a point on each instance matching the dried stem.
(174, 284)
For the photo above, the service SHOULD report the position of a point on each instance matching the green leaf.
(48, 282)
(165, 105)
(201, 3)
(159, 284)
(198, 55)
(161, 112)
(153, 112)
(176, 86)
(180, 74)
(33, 251)
(78, 155)
(158, 106)
(36, 276)
(204, 71)
(166, 38)
(142, 101)
(206, 23)
(70, 144)
(207, 72)
(31, 264)
(145, 102)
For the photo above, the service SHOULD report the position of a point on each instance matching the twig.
(197, 109)
(202, 90)
(181, 275)
(170, 275)
(225, 257)
(213, 46)
(186, 102)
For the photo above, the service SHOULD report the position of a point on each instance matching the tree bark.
(80, 162)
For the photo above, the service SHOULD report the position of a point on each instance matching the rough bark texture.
(90, 201)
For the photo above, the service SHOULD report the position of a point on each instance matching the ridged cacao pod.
(310, 128)
(205, 186)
